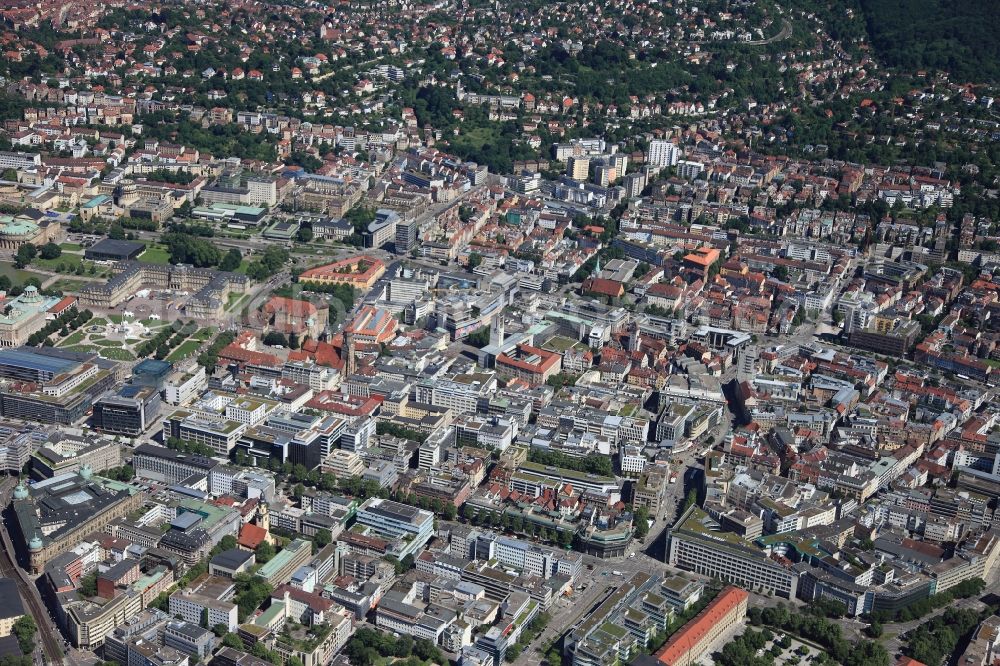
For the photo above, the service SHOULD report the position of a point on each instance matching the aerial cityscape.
(482, 333)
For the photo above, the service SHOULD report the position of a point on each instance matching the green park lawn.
(183, 350)
(18, 275)
(155, 254)
(116, 354)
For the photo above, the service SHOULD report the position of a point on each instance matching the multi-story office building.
(398, 521)
(663, 153)
(64, 454)
(382, 472)
(499, 584)
(183, 385)
(531, 364)
(577, 167)
(600, 637)
(88, 623)
(316, 652)
(406, 235)
(11, 608)
(407, 288)
(146, 625)
(16, 445)
(279, 569)
(248, 411)
(699, 544)
(494, 644)
(528, 557)
(382, 229)
(488, 433)
(633, 460)
(262, 192)
(130, 412)
(317, 377)
(11, 160)
(219, 434)
(189, 638)
(358, 435)
(190, 545)
(252, 484)
(112, 580)
(461, 393)
(428, 623)
(61, 385)
(158, 463)
(343, 464)
(533, 479)
(190, 606)
(680, 592)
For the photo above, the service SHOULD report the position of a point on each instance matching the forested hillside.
(958, 36)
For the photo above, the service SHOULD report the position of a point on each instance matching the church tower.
(264, 517)
(350, 362)
(497, 331)
(633, 337)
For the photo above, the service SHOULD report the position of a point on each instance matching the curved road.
(786, 32)
(29, 593)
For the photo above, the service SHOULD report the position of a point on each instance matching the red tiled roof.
(545, 361)
(290, 306)
(65, 302)
(909, 661)
(314, 601)
(603, 287)
(692, 633)
(252, 536)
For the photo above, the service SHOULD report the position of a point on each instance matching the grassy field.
(68, 285)
(204, 334)
(155, 254)
(183, 350)
(116, 354)
(82, 348)
(74, 338)
(71, 247)
(69, 262)
(16, 275)
(236, 302)
(477, 137)
(560, 343)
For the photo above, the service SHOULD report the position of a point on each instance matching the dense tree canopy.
(957, 36)
(187, 249)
